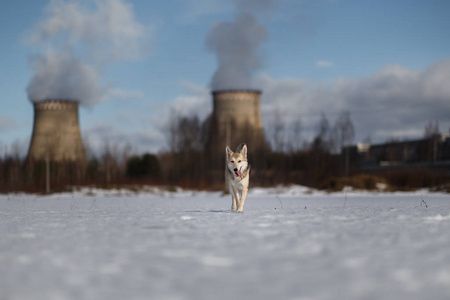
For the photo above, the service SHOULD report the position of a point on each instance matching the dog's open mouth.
(238, 173)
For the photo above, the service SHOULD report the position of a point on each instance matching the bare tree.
(189, 134)
(110, 162)
(344, 134)
(278, 132)
(323, 140)
(431, 133)
(344, 130)
(184, 133)
(185, 139)
(172, 130)
(296, 139)
(431, 129)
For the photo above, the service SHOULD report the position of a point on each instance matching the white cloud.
(7, 123)
(197, 101)
(324, 64)
(149, 134)
(393, 102)
(400, 134)
(110, 30)
(113, 135)
(125, 94)
(265, 8)
(196, 9)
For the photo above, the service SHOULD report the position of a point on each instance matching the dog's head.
(237, 161)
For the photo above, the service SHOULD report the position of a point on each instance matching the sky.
(133, 64)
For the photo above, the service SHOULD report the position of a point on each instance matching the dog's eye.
(232, 161)
(239, 161)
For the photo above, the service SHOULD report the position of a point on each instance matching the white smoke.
(76, 41)
(236, 45)
(60, 75)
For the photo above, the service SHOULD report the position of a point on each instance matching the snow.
(290, 243)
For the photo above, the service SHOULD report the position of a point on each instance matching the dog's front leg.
(234, 197)
(241, 203)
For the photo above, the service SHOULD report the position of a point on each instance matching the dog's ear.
(228, 151)
(244, 150)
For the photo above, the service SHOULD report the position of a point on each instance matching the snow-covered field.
(290, 243)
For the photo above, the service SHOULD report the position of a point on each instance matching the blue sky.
(387, 62)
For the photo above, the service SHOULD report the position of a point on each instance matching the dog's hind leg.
(234, 197)
(241, 203)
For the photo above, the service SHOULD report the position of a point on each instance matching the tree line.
(109, 169)
(287, 159)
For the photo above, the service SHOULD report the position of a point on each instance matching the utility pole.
(347, 161)
(47, 167)
(227, 141)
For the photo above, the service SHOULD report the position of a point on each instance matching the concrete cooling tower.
(56, 132)
(236, 118)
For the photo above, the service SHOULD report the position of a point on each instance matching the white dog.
(237, 172)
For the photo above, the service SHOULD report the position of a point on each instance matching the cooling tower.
(236, 118)
(56, 132)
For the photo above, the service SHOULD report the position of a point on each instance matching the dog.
(237, 172)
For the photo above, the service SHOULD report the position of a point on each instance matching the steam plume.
(236, 45)
(75, 43)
